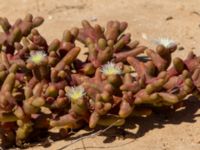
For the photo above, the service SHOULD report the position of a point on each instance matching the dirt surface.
(176, 19)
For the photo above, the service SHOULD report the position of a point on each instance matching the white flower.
(75, 93)
(110, 69)
(37, 57)
(166, 42)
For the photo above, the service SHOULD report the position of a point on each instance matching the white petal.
(110, 68)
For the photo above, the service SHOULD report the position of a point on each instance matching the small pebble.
(181, 48)
(144, 36)
(195, 13)
(93, 19)
(191, 37)
(50, 17)
(169, 18)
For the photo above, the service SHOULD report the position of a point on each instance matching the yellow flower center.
(75, 93)
(110, 69)
(37, 57)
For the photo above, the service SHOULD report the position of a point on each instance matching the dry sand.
(158, 132)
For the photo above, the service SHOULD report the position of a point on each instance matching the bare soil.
(176, 19)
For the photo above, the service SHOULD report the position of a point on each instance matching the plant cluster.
(45, 86)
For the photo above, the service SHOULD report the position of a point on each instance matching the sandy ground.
(158, 132)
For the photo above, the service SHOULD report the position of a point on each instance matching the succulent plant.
(45, 86)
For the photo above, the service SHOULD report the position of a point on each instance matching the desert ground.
(175, 19)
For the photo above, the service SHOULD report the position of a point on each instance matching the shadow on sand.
(158, 119)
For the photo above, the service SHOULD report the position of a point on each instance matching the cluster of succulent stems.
(46, 86)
